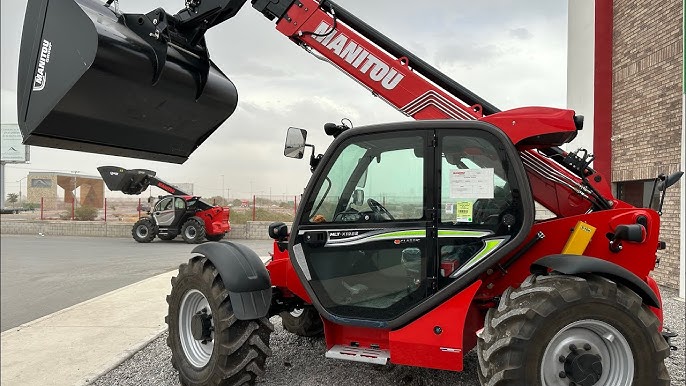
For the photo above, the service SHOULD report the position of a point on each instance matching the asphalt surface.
(300, 361)
(42, 275)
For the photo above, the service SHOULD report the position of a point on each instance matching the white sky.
(513, 53)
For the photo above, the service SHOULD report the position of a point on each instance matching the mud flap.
(88, 82)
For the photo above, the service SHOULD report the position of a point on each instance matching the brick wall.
(646, 112)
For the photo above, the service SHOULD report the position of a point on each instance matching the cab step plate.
(359, 354)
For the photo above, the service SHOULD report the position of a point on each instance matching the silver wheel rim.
(142, 231)
(197, 353)
(296, 313)
(594, 337)
(190, 232)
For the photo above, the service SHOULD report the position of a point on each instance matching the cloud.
(512, 53)
(521, 33)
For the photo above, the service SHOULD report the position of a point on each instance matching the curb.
(91, 378)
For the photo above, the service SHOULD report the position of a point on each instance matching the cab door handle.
(315, 238)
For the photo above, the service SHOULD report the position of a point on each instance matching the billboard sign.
(11, 148)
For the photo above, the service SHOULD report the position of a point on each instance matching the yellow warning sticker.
(463, 209)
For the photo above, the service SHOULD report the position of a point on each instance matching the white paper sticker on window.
(449, 208)
(471, 183)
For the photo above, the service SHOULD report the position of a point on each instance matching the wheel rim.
(197, 352)
(589, 353)
(296, 313)
(142, 231)
(191, 232)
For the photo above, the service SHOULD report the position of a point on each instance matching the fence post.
(254, 201)
(73, 207)
(41, 208)
(105, 209)
(139, 208)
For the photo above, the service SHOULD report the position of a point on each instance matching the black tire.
(193, 231)
(240, 347)
(143, 230)
(215, 237)
(523, 331)
(167, 237)
(304, 322)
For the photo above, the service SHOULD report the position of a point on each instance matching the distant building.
(53, 187)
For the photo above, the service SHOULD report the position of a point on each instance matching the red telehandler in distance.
(415, 242)
(177, 213)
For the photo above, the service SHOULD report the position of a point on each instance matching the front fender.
(575, 264)
(244, 275)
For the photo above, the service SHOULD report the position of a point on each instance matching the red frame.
(461, 316)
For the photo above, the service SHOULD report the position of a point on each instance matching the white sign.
(12, 150)
(471, 183)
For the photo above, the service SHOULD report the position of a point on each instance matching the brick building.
(625, 74)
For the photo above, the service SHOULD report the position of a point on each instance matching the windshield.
(374, 178)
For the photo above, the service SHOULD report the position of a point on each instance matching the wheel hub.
(582, 367)
(201, 326)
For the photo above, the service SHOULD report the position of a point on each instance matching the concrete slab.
(75, 345)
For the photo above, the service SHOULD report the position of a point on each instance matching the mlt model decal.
(43, 60)
(353, 53)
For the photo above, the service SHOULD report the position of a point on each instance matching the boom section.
(420, 91)
(386, 69)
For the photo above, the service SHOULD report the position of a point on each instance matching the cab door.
(480, 209)
(164, 212)
(362, 236)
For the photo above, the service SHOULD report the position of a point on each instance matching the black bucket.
(88, 82)
(122, 180)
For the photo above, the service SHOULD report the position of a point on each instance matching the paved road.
(41, 275)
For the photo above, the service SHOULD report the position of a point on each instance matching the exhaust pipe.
(94, 80)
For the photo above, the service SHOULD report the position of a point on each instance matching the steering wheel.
(379, 209)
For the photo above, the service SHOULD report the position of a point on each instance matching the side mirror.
(278, 231)
(358, 197)
(295, 143)
(669, 181)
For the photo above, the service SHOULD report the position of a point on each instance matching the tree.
(12, 198)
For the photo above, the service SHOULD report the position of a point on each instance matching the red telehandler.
(415, 241)
(177, 213)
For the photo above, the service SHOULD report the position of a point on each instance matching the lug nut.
(563, 374)
(572, 348)
(561, 359)
(587, 347)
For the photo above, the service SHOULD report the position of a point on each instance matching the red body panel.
(638, 258)
(284, 276)
(419, 344)
(216, 220)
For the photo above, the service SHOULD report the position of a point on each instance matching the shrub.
(85, 213)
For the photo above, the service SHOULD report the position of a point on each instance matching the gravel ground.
(300, 361)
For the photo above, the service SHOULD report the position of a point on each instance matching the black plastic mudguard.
(244, 276)
(576, 264)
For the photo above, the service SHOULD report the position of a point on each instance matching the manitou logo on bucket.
(358, 57)
(43, 60)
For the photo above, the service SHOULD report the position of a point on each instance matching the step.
(359, 354)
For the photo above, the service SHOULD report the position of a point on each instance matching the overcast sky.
(510, 52)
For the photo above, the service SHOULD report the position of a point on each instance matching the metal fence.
(129, 210)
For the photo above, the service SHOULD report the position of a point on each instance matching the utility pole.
(223, 188)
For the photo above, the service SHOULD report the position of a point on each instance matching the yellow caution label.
(579, 239)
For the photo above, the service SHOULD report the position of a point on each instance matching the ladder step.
(359, 354)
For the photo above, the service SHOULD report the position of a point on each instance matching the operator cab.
(396, 216)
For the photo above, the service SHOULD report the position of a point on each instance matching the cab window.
(373, 179)
(164, 204)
